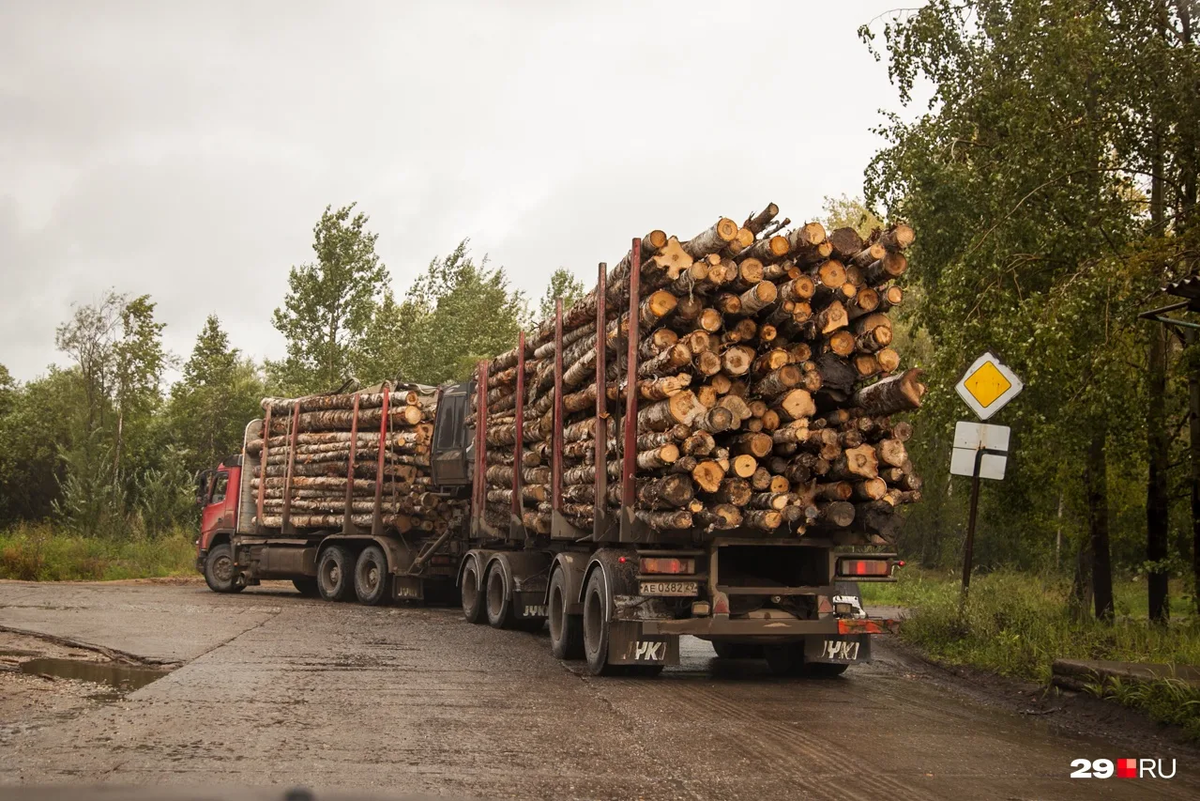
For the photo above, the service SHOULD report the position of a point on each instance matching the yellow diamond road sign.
(988, 385)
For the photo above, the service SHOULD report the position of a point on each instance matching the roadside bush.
(1016, 625)
(38, 552)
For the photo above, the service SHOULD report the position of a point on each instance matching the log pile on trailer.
(764, 391)
(350, 460)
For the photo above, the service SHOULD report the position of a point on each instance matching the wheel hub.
(223, 569)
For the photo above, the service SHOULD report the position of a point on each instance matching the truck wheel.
(371, 576)
(566, 631)
(786, 659)
(219, 573)
(307, 587)
(595, 627)
(472, 598)
(737, 650)
(500, 613)
(335, 573)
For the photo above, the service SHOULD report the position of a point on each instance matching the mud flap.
(838, 649)
(529, 604)
(408, 588)
(628, 646)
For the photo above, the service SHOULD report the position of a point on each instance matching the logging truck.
(581, 480)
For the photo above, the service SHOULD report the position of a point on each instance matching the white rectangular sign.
(979, 435)
(962, 463)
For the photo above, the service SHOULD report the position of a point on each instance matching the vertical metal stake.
(519, 445)
(629, 449)
(556, 442)
(600, 516)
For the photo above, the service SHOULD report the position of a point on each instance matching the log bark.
(891, 395)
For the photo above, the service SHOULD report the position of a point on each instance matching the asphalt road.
(272, 689)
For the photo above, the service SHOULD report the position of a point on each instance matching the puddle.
(123, 678)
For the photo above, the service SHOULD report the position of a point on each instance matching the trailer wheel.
(371, 576)
(335, 573)
(595, 627)
(500, 613)
(472, 598)
(219, 572)
(737, 650)
(307, 587)
(566, 630)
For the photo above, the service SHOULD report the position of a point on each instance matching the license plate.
(686, 588)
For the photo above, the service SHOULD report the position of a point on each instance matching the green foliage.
(1016, 624)
(92, 500)
(330, 304)
(42, 553)
(563, 284)
(39, 420)
(844, 211)
(210, 405)
(456, 313)
(166, 493)
(1166, 700)
(1043, 254)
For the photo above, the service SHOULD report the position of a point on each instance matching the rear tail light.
(864, 567)
(661, 564)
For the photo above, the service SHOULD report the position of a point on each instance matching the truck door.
(219, 510)
(448, 458)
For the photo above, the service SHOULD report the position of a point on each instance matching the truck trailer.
(621, 578)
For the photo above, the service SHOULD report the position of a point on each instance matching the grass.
(1016, 625)
(38, 552)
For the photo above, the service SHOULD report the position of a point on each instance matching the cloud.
(187, 151)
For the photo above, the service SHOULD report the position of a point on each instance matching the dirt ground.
(268, 689)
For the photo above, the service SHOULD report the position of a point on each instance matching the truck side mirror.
(202, 482)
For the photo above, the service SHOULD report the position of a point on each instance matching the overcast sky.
(185, 150)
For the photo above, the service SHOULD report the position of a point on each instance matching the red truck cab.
(217, 496)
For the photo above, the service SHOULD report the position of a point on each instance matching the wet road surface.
(271, 688)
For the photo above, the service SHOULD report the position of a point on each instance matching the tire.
(335, 573)
(371, 576)
(786, 659)
(566, 630)
(219, 572)
(737, 650)
(307, 587)
(595, 627)
(498, 600)
(472, 597)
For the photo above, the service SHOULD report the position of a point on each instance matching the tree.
(330, 303)
(454, 314)
(1020, 244)
(37, 424)
(117, 347)
(847, 212)
(138, 363)
(563, 284)
(218, 394)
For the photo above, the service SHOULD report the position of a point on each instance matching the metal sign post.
(969, 544)
(981, 451)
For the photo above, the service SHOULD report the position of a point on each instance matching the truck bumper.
(200, 559)
(723, 626)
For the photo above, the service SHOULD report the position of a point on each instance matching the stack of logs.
(767, 388)
(313, 441)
